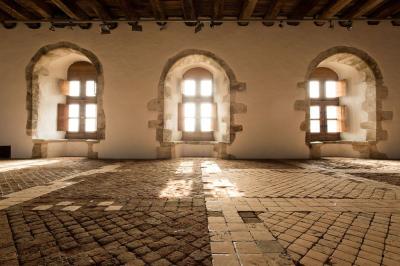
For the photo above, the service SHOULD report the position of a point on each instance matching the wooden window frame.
(82, 73)
(197, 99)
(322, 77)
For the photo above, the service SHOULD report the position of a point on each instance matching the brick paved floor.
(199, 212)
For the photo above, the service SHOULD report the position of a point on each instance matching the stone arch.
(375, 93)
(208, 61)
(32, 80)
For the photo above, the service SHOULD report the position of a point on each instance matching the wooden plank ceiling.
(83, 12)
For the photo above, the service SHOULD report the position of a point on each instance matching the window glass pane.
(73, 124)
(330, 89)
(314, 112)
(90, 125)
(206, 110)
(189, 110)
(331, 112)
(73, 110)
(333, 126)
(206, 87)
(74, 88)
(91, 110)
(206, 124)
(90, 88)
(189, 87)
(314, 126)
(190, 124)
(313, 88)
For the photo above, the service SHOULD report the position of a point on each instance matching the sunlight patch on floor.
(22, 164)
(177, 189)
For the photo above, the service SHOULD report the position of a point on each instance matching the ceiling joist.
(272, 12)
(37, 6)
(189, 12)
(335, 8)
(13, 10)
(363, 8)
(158, 11)
(70, 9)
(129, 10)
(247, 11)
(300, 11)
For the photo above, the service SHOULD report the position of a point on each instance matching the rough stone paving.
(199, 212)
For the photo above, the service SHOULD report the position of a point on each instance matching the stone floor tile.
(225, 247)
(42, 207)
(71, 208)
(105, 203)
(225, 259)
(247, 247)
(113, 208)
(64, 203)
(253, 260)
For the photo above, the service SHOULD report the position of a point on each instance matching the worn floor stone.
(200, 211)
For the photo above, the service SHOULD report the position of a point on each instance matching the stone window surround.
(32, 98)
(373, 75)
(167, 148)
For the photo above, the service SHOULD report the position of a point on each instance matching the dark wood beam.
(363, 7)
(334, 9)
(300, 11)
(189, 12)
(70, 9)
(158, 11)
(218, 9)
(98, 8)
(247, 11)
(129, 10)
(37, 6)
(13, 10)
(3, 17)
(388, 10)
(272, 11)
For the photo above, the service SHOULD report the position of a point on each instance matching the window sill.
(359, 142)
(65, 140)
(195, 142)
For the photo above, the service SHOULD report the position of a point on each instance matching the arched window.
(326, 115)
(197, 112)
(78, 117)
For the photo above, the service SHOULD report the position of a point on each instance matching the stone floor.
(197, 211)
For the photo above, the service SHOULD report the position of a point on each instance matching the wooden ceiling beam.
(100, 10)
(334, 9)
(218, 9)
(272, 12)
(302, 8)
(247, 11)
(189, 12)
(70, 9)
(39, 7)
(300, 11)
(362, 8)
(158, 11)
(129, 10)
(13, 10)
(388, 10)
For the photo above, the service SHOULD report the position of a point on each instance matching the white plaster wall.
(270, 60)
